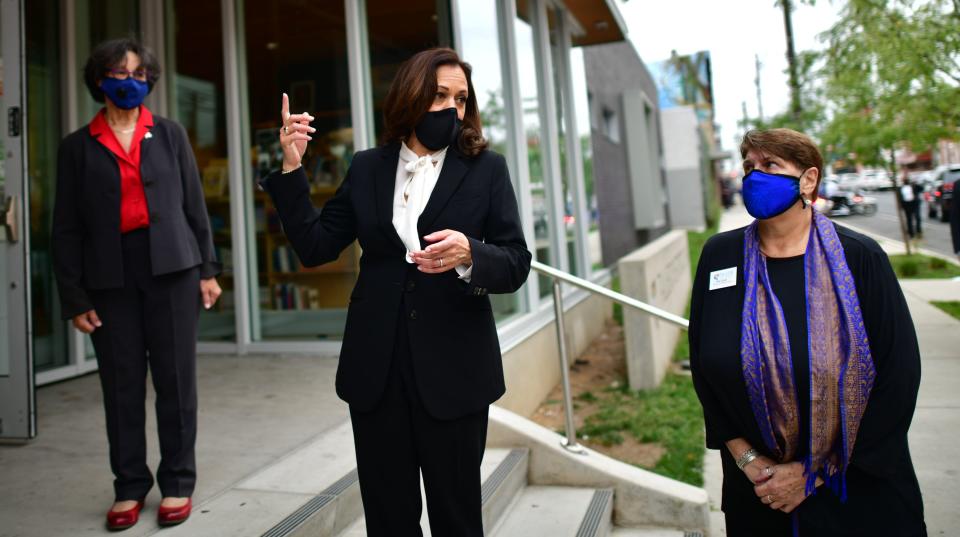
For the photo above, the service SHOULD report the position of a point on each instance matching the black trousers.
(912, 210)
(150, 321)
(398, 440)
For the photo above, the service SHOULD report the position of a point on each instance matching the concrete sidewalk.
(936, 423)
(254, 411)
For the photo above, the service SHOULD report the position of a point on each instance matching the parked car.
(942, 199)
(848, 181)
(876, 180)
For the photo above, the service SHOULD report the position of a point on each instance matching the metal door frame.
(17, 398)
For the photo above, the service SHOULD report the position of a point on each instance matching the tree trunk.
(896, 195)
(795, 107)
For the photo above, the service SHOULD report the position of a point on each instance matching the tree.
(892, 77)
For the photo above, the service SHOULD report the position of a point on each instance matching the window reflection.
(397, 31)
(194, 75)
(481, 49)
(530, 100)
(308, 61)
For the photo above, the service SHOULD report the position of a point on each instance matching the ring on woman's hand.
(769, 499)
(441, 262)
(285, 131)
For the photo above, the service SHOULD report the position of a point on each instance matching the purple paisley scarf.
(841, 368)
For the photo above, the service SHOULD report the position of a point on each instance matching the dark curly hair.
(412, 92)
(109, 54)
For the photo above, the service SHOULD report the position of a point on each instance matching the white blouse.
(416, 179)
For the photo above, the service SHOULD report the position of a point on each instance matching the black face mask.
(438, 129)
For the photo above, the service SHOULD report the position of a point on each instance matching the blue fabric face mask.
(127, 94)
(767, 195)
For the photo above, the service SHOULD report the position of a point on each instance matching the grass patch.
(923, 266)
(617, 308)
(668, 415)
(952, 307)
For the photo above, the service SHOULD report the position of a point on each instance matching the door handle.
(10, 205)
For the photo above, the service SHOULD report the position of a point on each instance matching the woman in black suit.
(437, 220)
(133, 257)
(806, 362)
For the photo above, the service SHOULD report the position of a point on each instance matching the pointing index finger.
(285, 108)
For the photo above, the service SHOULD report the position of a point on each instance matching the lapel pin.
(148, 135)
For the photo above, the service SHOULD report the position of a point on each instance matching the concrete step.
(503, 473)
(557, 512)
(653, 532)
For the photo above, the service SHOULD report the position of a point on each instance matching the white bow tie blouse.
(416, 179)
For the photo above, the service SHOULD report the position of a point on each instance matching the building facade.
(225, 64)
(627, 147)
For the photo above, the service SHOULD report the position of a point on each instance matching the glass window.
(97, 21)
(397, 31)
(581, 101)
(308, 61)
(542, 221)
(44, 131)
(480, 42)
(194, 77)
(563, 127)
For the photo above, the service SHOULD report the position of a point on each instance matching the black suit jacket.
(955, 220)
(86, 213)
(453, 337)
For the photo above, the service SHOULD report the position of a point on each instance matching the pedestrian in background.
(133, 257)
(910, 193)
(806, 362)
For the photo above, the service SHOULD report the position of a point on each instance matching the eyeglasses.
(122, 74)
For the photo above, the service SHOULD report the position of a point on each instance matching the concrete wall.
(658, 274)
(532, 368)
(682, 158)
(611, 71)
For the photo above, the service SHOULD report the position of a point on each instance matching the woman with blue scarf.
(806, 362)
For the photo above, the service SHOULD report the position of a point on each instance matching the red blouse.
(134, 213)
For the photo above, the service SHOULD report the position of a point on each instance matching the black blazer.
(86, 213)
(453, 337)
(881, 469)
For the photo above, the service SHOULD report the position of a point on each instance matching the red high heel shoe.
(121, 520)
(171, 516)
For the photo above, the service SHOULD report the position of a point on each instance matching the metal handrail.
(570, 441)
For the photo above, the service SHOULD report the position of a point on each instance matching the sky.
(733, 32)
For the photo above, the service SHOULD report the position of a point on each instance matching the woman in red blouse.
(134, 259)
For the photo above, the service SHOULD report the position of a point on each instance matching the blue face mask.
(125, 94)
(769, 194)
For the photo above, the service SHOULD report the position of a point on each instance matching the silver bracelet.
(748, 456)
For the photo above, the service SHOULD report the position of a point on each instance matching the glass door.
(17, 416)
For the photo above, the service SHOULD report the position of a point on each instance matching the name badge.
(720, 279)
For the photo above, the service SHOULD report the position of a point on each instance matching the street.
(936, 234)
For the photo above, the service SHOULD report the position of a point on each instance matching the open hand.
(294, 135)
(786, 488)
(449, 249)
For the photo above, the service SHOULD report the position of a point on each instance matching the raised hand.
(294, 135)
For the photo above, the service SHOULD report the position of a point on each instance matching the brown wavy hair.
(412, 92)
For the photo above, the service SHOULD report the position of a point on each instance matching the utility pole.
(756, 81)
(795, 109)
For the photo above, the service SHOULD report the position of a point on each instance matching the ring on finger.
(285, 130)
(769, 499)
(441, 262)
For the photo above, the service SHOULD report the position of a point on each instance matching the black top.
(86, 213)
(883, 493)
(452, 333)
